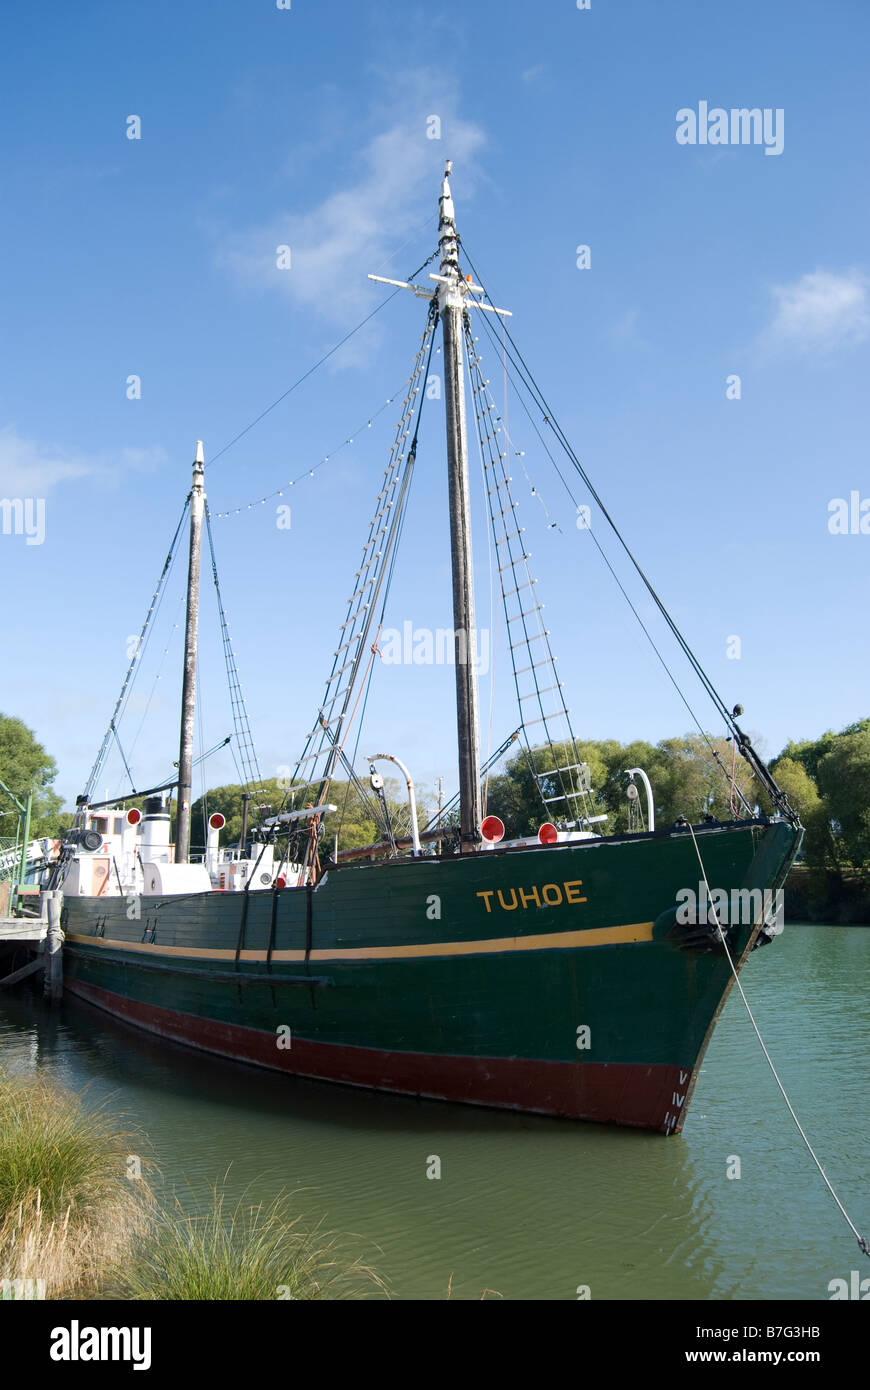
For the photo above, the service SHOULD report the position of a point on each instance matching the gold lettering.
(552, 888)
(571, 891)
(486, 896)
(530, 897)
(508, 907)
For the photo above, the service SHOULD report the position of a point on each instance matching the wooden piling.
(53, 984)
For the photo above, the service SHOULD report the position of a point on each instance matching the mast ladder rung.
(358, 593)
(362, 588)
(374, 537)
(534, 666)
(572, 767)
(533, 694)
(509, 536)
(504, 511)
(346, 667)
(535, 637)
(543, 718)
(309, 757)
(341, 693)
(509, 593)
(566, 796)
(525, 614)
(517, 561)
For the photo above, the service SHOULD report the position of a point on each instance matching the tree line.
(827, 779)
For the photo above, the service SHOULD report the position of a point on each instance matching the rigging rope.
(310, 472)
(778, 797)
(713, 751)
(398, 527)
(376, 564)
(862, 1243)
(327, 739)
(311, 370)
(241, 723)
(159, 675)
(570, 787)
(124, 760)
(131, 669)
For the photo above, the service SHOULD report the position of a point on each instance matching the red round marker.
(492, 829)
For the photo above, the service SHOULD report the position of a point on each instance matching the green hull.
(550, 979)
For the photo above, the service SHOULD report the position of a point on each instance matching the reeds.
(243, 1251)
(68, 1210)
(74, 1224)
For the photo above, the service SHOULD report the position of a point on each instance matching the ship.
(561, 973)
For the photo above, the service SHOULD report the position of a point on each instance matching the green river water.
(529, 1207)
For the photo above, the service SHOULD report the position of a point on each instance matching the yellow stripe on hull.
(632, 934)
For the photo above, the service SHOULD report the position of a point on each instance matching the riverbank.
(78, 1219)
(835, 898)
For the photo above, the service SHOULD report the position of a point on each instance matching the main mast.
(452, 294)
(454, 298)
(188, 689)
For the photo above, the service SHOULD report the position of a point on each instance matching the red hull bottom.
(647, 1096)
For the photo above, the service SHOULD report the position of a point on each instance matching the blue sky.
(308, 127)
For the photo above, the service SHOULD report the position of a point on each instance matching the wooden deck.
(20, 930)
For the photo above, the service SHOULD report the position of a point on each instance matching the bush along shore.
(78, 1219)
(837, 897)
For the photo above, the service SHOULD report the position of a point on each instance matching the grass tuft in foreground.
(74, 1224)
(242, 1252)
(68, 1210)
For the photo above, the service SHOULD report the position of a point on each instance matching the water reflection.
(527, 1206)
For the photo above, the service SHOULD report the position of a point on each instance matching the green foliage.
(352, 822)
(25, 765)
(844, 782)
(228, 800)
(803, 794)
(828, 780)
(685, 779)
(809, 752)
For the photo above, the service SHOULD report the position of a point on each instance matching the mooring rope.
(862, 1243)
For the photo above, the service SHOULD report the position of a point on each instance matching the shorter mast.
(191, 638)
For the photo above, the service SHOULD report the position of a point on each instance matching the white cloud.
(31, 469)
(359, 228)
(819, 312)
